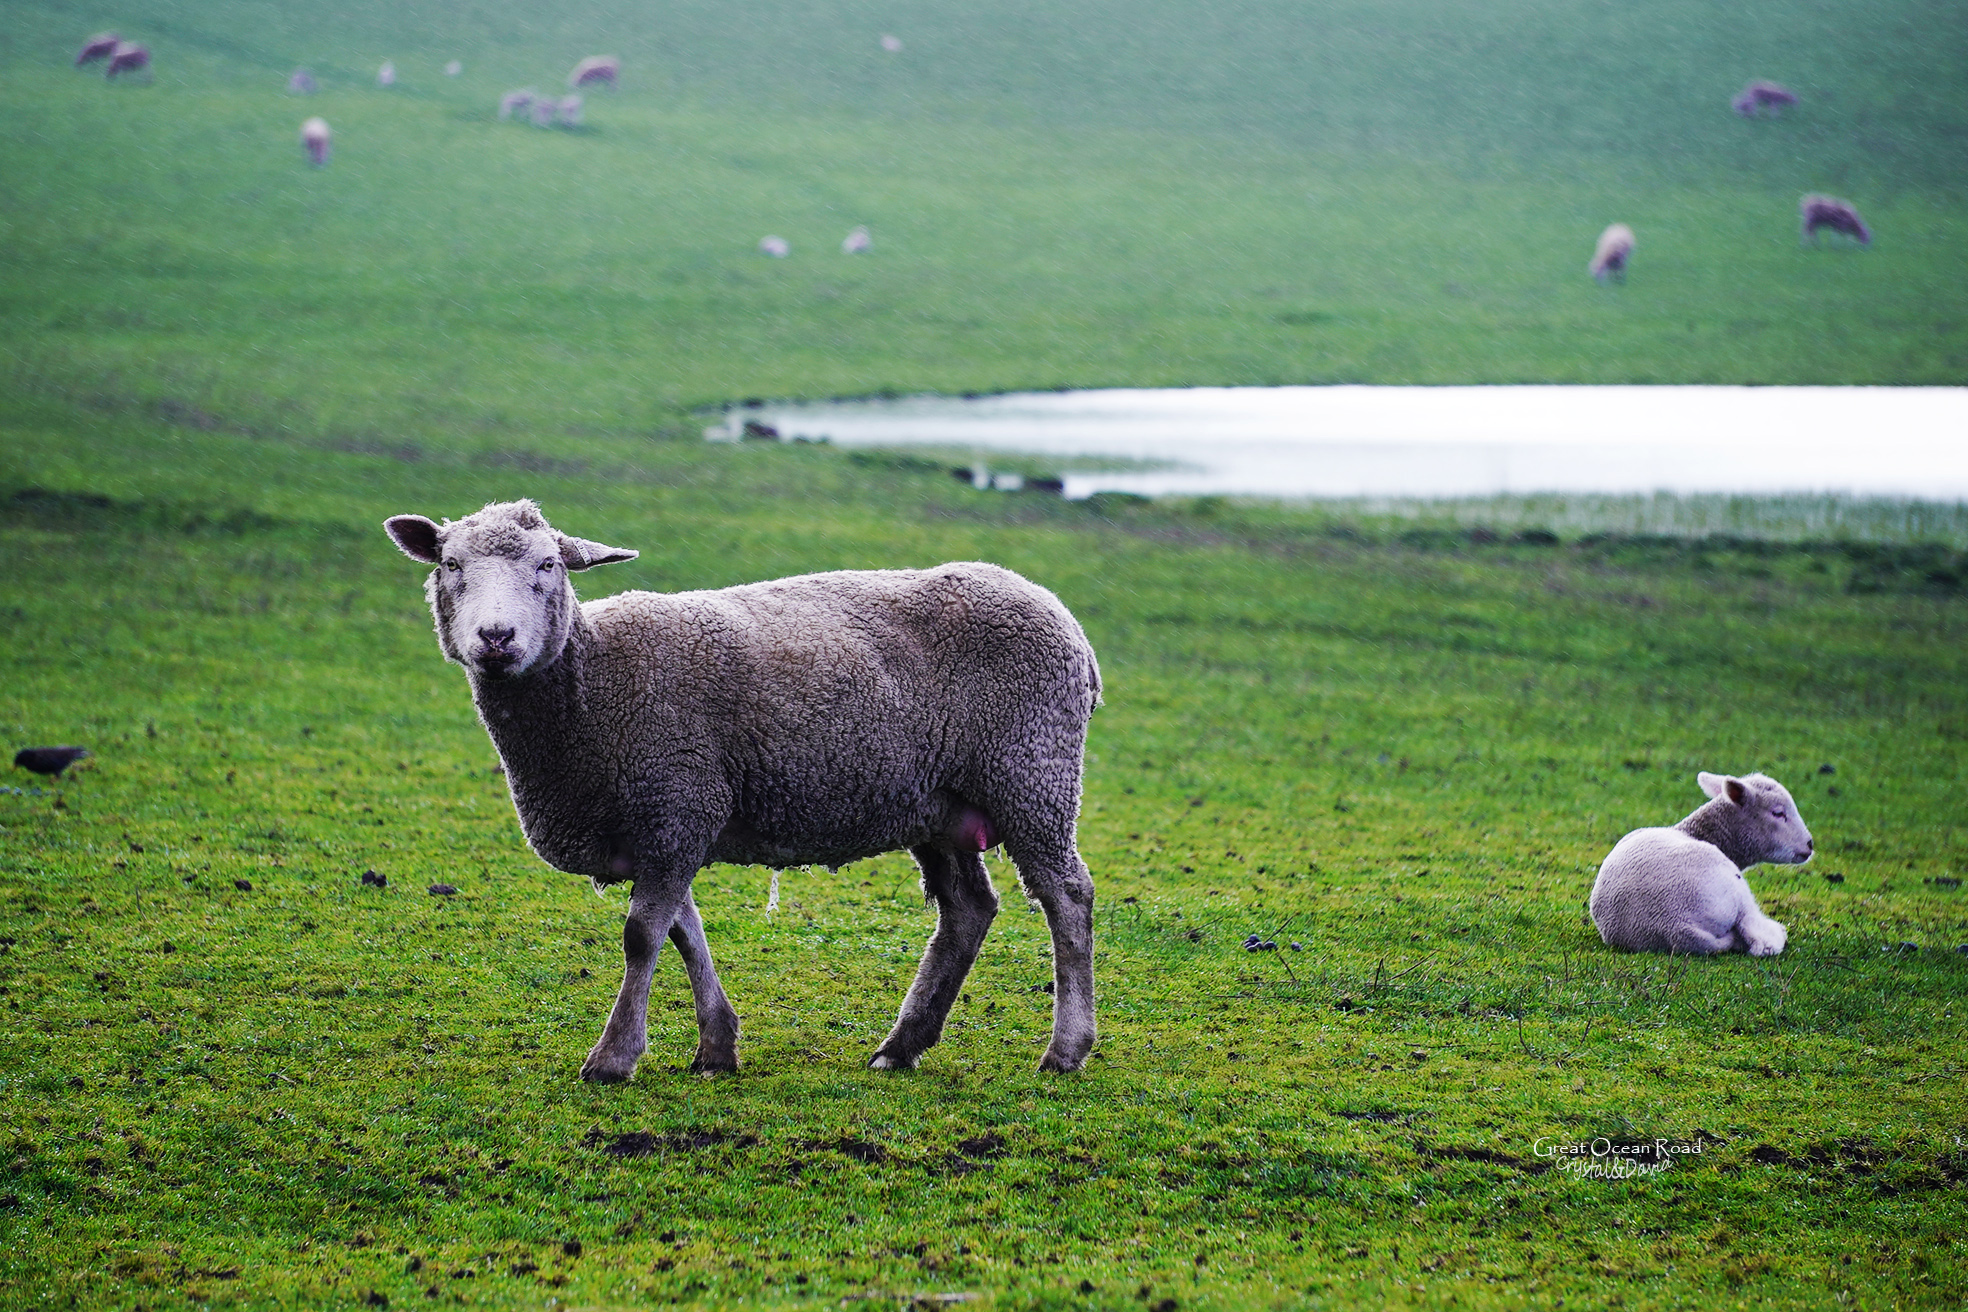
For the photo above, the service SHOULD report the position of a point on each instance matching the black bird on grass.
(49, 760)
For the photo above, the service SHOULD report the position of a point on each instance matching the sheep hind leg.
(653, 908)
(717, 1021)
(966, 904)
(1064, 891)
(1695, 941)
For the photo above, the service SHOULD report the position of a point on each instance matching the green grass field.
(1399, 736)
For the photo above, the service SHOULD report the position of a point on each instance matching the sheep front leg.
(653, 909)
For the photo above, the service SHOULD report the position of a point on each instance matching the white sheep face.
(1766, 816)
(499, 592)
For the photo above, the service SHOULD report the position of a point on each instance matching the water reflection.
(1441, 441)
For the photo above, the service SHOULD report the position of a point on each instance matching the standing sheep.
(1609, 258)
(820, 719)
(857, 242)
(127, 57)
(1682, 889)
(315, 137)
(386, 75)
(1758, 96)
(97, 47)
(1830, 212)
(595, 68)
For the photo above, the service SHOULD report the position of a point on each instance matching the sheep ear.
(1720, 785)
(579, 553)
(415, 537)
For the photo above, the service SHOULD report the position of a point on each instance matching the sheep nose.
(496, 637)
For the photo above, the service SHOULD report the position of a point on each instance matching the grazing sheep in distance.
(822, 719)
(595, 68)
(1830, 212)
(1758, 96)
(301, 83)
(514, 102)
(127, 57)
(1682, 889)
(315, 136)
(1610, 256)
(544, 109)
(892, 44)
(97, 47)
(386, 75)
(777, 247)
(569, 111)
(454, 68)
(857, 241)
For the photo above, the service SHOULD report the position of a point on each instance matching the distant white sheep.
(97, 47)
(568, 111)
(857, 242)
(516, 102)
(315, 137)
(892, 44)
(1610, 256)
(1682, 889)
(1830, 212)
(127, 57)
(454, 68)
(777, 247)
(544, 110)
(593, 69)
(386, 75)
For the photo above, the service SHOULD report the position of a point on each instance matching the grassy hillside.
(1073, 197)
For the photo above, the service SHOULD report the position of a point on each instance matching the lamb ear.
(579, 553)
(1720, 785)
(415, 537)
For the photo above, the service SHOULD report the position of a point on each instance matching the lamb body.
(812, 720)
(1681, 889)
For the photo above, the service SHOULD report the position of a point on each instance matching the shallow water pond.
(1437, 441)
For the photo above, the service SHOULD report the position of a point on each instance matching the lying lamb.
(819, 719)
(1609, 258)
(1682, 889)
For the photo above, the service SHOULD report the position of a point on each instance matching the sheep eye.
(547, 565)
(452, 565)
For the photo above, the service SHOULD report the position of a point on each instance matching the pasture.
(234, 1074)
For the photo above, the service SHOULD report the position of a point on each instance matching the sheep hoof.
(607, 1068)
(721, 1063)
(1057, 1063)
(882, 1061)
